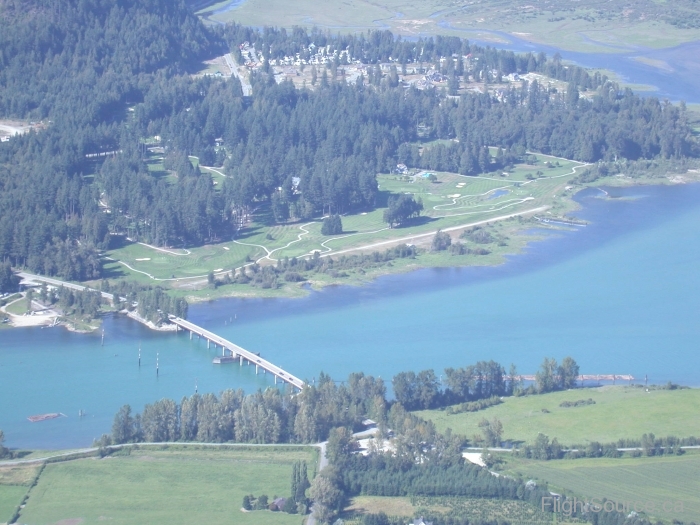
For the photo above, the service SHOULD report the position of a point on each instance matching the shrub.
(332, 225)
(441, 241)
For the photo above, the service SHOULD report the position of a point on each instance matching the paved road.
(630, 449)
(91, 450)
(323, 462)
(56, 282)
(245, 83)
(431, 233)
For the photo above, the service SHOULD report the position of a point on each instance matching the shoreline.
(428, 260)
(516, 244)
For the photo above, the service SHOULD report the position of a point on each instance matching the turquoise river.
(620, 296)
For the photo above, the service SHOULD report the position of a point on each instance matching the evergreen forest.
(107, 80)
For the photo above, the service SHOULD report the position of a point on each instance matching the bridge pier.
(239, 353)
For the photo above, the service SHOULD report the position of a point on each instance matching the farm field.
(14, 484)
(475, 508)
(452, 202)
(593, 26)
(174, 486)
(671, 479)
(10, 497)
(618, 412)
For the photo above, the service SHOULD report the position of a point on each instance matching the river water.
(675, 75)
(620, 296)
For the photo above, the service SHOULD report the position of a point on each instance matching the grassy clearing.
(165, 486)
(17, 307)
(618, 412)
(669, 479)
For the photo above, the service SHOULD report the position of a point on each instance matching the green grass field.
(17, 307)
(619, 412)
(10, 497)
(14, 484)
(568, 24)
(670, 479)
(451, 202)
(178, 486)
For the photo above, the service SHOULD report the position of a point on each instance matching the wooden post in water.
(256, 369)
(157, 365)
(208, 343)
(103, 337)
(240, 359)
(139, 356)
(190, 335)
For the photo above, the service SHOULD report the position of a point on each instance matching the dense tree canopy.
(82, 65)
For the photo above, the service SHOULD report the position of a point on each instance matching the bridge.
(239, 353)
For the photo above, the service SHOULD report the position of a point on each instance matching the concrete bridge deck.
(240, 353)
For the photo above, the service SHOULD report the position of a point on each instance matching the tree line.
(481, 381)
(297, 270)
(309, 417)
(263, 417)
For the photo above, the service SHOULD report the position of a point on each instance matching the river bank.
(592, 292)
(514, 233)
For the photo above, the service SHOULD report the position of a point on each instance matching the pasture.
(618, 412)
(176, 486)
(14, 484)
(655, 480)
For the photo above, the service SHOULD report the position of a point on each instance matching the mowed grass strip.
(166, 487)
(670, 479)
(618, 412)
